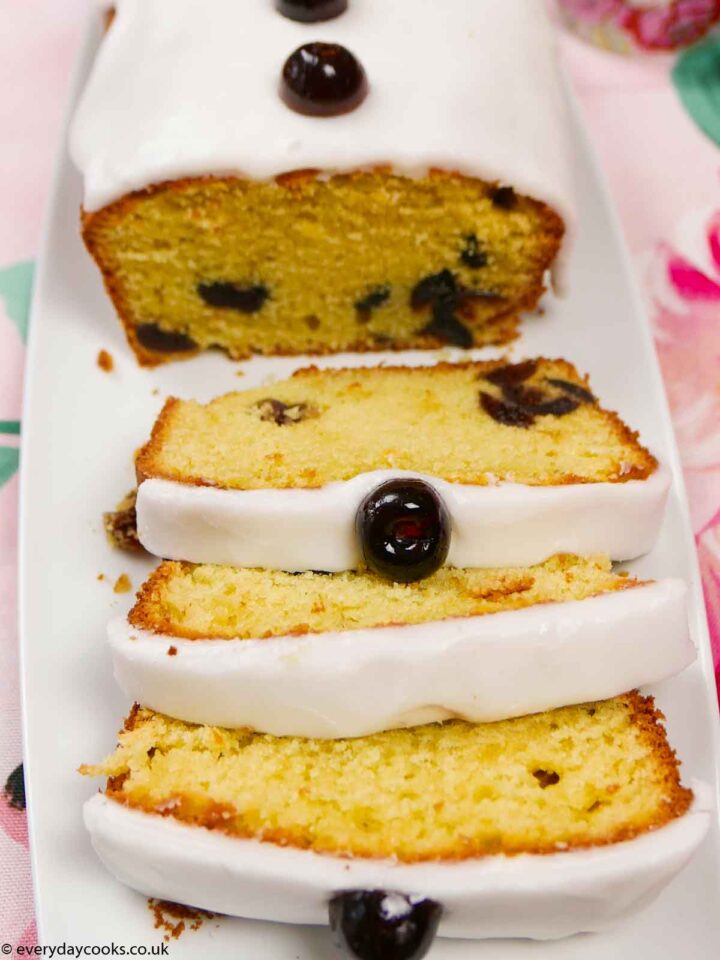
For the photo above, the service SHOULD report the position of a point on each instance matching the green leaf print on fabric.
(16, 290)
(696, 76)
(10, 426)
(9, 460)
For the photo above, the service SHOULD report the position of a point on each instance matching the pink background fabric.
(664, 174)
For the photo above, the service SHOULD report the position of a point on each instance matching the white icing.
(177, 91)
(504, 525)
(357, 682)
(543, 897)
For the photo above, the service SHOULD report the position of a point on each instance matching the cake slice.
(516, 462)
(536, 827)
(221, 214)
(349, 654)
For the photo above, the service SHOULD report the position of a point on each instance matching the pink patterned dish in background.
(630, 26)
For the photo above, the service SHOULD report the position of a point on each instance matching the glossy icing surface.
(508, 525)
(542, 897)
(175, 93)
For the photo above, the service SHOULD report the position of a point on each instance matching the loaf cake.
(414, 808)
(522, 456)
(422, 208)
(349, 654)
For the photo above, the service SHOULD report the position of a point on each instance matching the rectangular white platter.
(80, 429)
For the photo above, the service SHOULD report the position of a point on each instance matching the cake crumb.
(105, 361)
(121, 525)
(155, 391)
(175, 918)
(123, 584)
(172, 651)
(101, 576)
(239, 373)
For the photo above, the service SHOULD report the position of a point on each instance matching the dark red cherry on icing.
(323, 80)
(311, 11)
(383, 925)
(403, 529)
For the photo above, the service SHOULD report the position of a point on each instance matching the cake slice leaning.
(349, 654)
(519, 460)
(540, 827)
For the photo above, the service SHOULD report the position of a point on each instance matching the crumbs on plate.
(105, 361)
(174, 918)
(123, 584)
(121, 524)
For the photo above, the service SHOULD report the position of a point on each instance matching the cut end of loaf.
(363, 261)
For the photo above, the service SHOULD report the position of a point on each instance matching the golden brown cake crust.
(649, 721)
(646, 721)
(145, 460)
(499, 329)
(148, 463)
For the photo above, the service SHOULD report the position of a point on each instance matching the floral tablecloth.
(656, 124)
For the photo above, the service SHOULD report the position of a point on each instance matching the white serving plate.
(80, 428)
